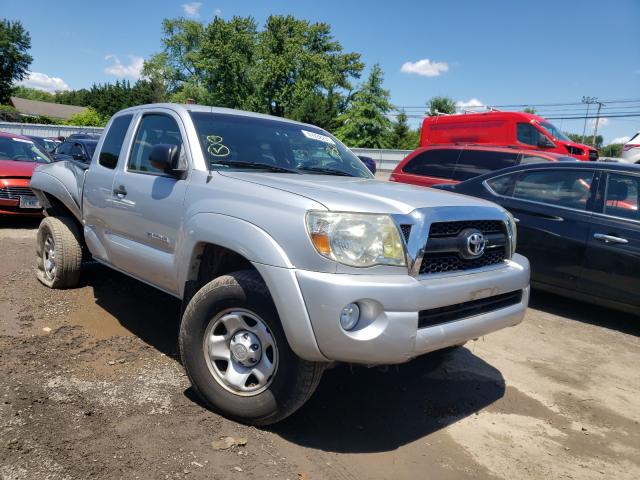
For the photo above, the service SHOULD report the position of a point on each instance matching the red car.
(18, 158)
(428, 166)
(517, 129)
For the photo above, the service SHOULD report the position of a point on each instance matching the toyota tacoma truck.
(287, 254)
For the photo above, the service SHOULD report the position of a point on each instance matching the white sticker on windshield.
(317, 136)
(15, 139)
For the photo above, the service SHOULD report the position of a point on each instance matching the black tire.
(294, 380)
(64, 235)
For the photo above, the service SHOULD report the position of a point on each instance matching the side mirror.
(79, 157)
(544, 142)
(166, 158)
(61, 157)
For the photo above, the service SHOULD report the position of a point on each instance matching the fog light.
(350, 316)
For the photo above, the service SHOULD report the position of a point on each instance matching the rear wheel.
(59, 252)
(236, 354)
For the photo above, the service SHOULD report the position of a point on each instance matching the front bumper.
(10, 203)
(390, 304)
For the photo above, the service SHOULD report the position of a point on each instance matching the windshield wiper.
(325, 171)
(254, 165)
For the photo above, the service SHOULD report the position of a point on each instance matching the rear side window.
(113, 142)
(503, 185)
(439, 163)
(621, 198)
(477, 162)
(564, 188)
(527, 134)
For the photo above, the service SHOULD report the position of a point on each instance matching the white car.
(631, 150)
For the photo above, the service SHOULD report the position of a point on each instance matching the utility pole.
(595, 127)
(588, 101)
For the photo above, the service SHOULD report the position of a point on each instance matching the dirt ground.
(91, 387)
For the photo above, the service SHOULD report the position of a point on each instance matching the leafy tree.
(89, 118)
(365, 122)
(612, 150)
(15, 41)
(227, 56)
(440, 104)
(402, 136)
(587, 139)
(290, 68)
(33, 94)
(530, 110)
(296, 59)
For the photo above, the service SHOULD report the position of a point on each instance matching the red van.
(440, 164)
(523, 130)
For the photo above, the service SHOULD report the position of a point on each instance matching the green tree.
(402, 136)
(530, 110)
(227, 56)
(612, 150)
(587, 139)
(365, 122)
(440, 104)
(89, 118)
(15, 42)
(290, 68)
(33, 94)
(296, 59)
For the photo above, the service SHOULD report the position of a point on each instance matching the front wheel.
(59, 252)
(236, 354)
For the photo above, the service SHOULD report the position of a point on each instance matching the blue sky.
(487, 52)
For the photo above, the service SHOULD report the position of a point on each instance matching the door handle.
(610, 238)
(120, 191)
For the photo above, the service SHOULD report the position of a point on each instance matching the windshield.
(21, 150)
(554, 131)
(228, 141)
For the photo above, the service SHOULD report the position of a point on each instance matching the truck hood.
(351, 194)
(15, 169)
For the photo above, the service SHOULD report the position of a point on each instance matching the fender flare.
(44, 184)
(267, 256)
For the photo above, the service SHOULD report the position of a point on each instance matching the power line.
(523, 105)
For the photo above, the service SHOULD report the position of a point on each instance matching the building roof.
(47, 109)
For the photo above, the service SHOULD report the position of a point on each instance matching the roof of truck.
(185, 108)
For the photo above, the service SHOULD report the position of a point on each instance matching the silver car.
(286, 252)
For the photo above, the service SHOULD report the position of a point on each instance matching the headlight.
(513, 232)
(356, 239)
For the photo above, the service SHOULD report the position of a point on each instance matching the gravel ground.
(91, 387)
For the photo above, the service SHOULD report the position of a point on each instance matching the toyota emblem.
(475, 244)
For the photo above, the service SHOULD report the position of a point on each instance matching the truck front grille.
(459, 311)
(443, 249)
(14, 193)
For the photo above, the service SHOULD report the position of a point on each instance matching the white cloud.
(217, 12)
(192, 9)
(624, 139)
(42, 81)
(471, 104)
(117, 69)
(425, 67)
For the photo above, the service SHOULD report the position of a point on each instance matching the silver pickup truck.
(286, 252)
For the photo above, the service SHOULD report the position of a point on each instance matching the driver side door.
(147, 205)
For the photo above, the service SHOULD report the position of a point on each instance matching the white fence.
(42, 130)
(385, 160)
